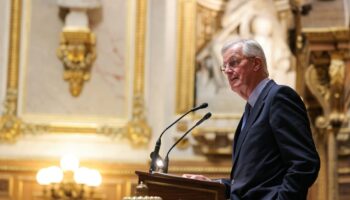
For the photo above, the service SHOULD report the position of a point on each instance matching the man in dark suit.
(274, 156)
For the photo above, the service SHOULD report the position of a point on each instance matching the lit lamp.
(69, 181)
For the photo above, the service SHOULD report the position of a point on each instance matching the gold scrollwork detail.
(34, 129)
(10, 105)
(10, 125)
(77, 51)
(113, 132)
(10, 128)
(138, 131)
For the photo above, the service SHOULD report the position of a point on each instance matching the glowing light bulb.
(55, 173)
(43, 177)
(95, 178)
(160, 163)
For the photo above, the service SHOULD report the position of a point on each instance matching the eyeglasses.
(233, 62)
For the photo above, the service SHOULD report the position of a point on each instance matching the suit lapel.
(253, 115)
(237, 133)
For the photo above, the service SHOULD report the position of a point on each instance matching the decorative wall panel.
(38, 99)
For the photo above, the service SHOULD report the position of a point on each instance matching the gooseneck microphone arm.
(155, 153)
(166, 160)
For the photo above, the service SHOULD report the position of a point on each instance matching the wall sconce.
(69, 181)
(77, 49)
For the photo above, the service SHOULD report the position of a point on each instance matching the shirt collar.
(257, 91)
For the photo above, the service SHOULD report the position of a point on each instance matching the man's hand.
(197, 177)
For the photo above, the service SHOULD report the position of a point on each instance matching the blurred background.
(88, 86)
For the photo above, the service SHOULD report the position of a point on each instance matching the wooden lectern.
(172, 187)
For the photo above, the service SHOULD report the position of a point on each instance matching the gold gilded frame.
(186, 52)
(189, 41)
(136, 130)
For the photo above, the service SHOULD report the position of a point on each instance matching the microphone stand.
(155, 154)
(166, 160)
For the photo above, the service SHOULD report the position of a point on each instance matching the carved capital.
(328, 85)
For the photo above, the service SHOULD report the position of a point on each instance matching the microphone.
(155, 154)
(166, 160)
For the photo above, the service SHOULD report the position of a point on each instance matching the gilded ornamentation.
(186, 50)
(34, 129)
(138, 131)
(77, 51)
(209, 23)
(10, 105)
(10, 127)
(328, 88)
(9, 123)
(113, 132)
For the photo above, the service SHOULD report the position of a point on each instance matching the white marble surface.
(44, 92)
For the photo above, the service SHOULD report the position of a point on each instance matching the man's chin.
(235, 89)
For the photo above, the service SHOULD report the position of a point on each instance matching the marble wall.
(43, 90)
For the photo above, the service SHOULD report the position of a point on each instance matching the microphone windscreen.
(203, 105)
(207, 116)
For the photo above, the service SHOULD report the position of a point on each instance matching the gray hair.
(250, 48)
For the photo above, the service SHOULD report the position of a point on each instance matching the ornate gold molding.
(9, 128)
(138, 131)
(186, 50)
(9, 122)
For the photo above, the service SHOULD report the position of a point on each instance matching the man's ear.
(257, 64)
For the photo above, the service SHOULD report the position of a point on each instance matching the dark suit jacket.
(274, 156)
